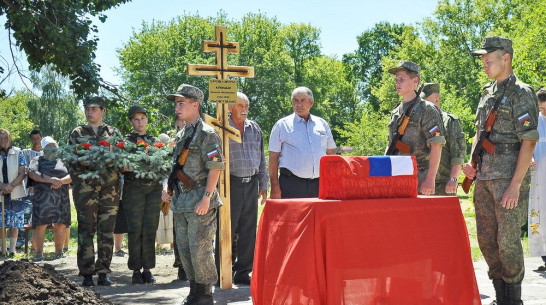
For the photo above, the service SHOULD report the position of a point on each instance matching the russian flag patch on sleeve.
(525, 120)
(213, 154)
(435, 131)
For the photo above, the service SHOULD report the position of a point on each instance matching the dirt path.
(165, 291)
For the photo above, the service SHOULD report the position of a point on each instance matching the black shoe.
(541, 268)
(104, 280)
(88, 281)
(193, 293)
(182, 274)
(241, 279)
(203, 296)
(147, 277)
(137, 277)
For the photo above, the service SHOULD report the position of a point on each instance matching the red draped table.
(411, 251)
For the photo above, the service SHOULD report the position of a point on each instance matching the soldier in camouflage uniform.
(454, 151)
(96, 202)
(502, 186)
(195, 207)
(424, 133)
(141, 199)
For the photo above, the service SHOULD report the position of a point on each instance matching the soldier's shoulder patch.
(525, 120)
(435, 131)
(213, 155)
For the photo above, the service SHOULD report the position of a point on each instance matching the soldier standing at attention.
(195, 205)
(425, 132)
(502, 186)
(96, 202)
(141, 198)
(454, 152)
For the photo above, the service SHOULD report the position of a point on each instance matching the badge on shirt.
(525, 120)
(435, 131)
(213, 155)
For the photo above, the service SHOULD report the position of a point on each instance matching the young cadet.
(195, 205)
(424, 133)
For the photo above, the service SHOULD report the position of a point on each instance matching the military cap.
(188, 91)
(430, 88)
(493, 43)
(94, 101)
(134, 110)
(408, 66)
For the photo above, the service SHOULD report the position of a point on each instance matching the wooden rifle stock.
(467, 182)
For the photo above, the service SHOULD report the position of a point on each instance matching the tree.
(302, 43)
(55, 112)
(58, 32)
(14, 116)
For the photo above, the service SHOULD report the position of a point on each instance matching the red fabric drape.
(381, 251)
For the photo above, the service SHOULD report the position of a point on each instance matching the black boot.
(500, 292)
(204, 295)
(137, 277)
(88, 281)
(193, 293)
(104, 280)
(182, 274)
(513, 294)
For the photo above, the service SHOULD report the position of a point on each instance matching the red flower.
(172, 143)
(120, 145)
(85, 146)
(159, 144)
(103, 143)
(142, 143)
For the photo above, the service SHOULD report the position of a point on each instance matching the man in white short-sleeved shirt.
(296, 144)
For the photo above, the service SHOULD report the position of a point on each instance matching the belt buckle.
(246, 179)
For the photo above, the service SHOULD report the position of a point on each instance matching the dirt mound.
(24, 283)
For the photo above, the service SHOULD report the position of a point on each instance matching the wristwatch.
(453, 179)
(207, 193)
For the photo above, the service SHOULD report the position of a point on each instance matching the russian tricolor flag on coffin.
(361, 177)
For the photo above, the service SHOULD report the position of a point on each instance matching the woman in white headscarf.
(51, 202)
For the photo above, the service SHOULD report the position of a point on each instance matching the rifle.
(396, 144)
(177, 173)
(483, 143)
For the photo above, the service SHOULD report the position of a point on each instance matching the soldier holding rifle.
(416, 127)
(506, 119)
(197, 163)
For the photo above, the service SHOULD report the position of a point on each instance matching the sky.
(340, 22)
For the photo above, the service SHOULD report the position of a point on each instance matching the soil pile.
(24, 283)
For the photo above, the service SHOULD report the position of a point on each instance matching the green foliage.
(367, 136)
(59, 32)
(14, 116)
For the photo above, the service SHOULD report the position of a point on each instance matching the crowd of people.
(419, 127)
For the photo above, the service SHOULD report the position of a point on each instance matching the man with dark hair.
(501, 192)
(454, 151)
(425, 132)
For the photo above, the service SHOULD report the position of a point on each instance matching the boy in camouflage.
(195, 206)
(502, 185)
(425, 131)
(454, 152)
(96, 203)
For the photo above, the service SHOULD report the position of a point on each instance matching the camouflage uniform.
(141, 199)
(96, 205)
(499, 228)
(425, 128)
(195, 233)
(453, 153)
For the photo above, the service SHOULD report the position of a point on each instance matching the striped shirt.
(301, 144)
(248, 158)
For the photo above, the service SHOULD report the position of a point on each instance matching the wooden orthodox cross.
(221, 70)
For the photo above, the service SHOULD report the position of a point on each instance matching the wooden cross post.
(221, 70)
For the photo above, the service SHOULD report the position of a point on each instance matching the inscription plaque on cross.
(221, 70)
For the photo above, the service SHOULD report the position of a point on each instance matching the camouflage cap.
(94, 101)
(134, 110)
(188, 91)
(493, 43)
(408, 66)
(430, 88)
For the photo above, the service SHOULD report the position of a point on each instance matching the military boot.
(193, 293)
(104, 280)
(500, 292)
(204, 295)
(513, 294)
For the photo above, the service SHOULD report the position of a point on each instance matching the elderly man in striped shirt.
(249, 177)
